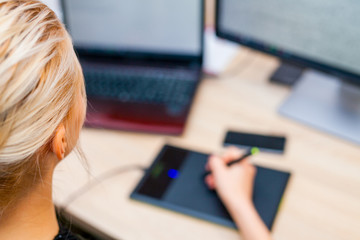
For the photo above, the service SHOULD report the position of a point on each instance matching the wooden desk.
(323, 197)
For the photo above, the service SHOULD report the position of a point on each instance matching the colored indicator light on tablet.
(172, 173)
(155, 173)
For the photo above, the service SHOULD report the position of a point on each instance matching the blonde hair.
(39, 80)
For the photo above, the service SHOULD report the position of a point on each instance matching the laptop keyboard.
(142, 85)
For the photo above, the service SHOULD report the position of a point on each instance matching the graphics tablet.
(175, 181)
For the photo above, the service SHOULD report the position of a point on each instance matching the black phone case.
(275, 144)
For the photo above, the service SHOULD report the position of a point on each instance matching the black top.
(65, 234)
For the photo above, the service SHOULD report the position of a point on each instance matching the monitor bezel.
(120, 54)
(283, 54)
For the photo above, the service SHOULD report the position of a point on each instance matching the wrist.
(244, 214)
(237, 202)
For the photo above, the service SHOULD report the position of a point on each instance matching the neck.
(33, 216)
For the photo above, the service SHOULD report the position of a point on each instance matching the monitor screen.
(146, 26)
(321, 33)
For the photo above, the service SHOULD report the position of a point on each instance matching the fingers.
(210, 182)
(218, 167)
(251, 168)
(207, 167)
(231, 154)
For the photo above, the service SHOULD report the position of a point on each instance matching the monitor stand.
(326, 103)
(287, 74)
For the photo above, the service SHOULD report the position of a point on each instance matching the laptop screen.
(170, 27)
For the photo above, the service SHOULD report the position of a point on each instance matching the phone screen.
(266, 143)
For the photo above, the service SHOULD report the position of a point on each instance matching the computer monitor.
(119, 27)
(322, 35)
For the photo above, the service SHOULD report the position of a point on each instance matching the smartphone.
(264, 143)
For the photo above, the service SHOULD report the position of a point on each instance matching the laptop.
(142, 60)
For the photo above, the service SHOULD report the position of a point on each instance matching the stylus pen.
(251, 151)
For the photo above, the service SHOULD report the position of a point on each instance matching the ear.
(59, 142)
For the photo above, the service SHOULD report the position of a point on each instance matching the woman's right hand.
(235, 183)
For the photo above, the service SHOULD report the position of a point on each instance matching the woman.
(42, 109)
